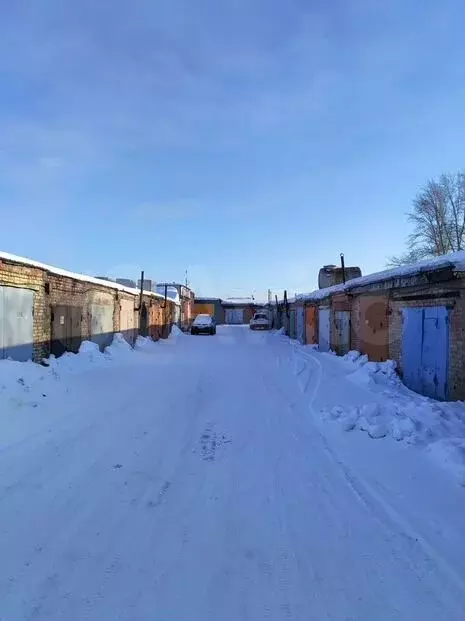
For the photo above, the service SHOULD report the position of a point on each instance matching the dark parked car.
(204, 324)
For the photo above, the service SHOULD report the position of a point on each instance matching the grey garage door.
(234, 315)
(324, 330)
(101, 324)
(16, 323)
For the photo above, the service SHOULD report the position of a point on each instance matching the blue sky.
(249, 142)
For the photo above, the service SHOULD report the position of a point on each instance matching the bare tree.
(438, 218)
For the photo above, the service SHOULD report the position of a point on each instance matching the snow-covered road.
(198, 482)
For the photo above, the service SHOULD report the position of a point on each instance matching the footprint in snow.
(210, 441)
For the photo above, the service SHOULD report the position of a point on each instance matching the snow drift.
(28, 384)
(397, 412)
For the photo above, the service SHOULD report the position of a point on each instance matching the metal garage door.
(341, 332)
(127, 320)
(374, 327)
(425, 347)
(101, 319)
(323, 330)
(310, 325)
(66, 329)
(204, 309)
(292, 324)
(16, 323)
(234, 315)
(300, 324)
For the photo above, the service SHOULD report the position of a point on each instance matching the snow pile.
(144, 344)
(413, 419)
(175, 332)
(356, 356)
(89, 355)
(25, 384)
(369, 374)
(372, 373)
(119, 348)
(377, 420)
(395, 411)
(29, 384)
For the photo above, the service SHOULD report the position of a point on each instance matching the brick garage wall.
(66, 292)
(168, 317)
(160, 317)
(127, 304)
(355, 340)
(51, 290)
(456, 378)
(17, 275)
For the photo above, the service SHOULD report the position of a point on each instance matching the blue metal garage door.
(16, 323)
(234, 316)
(425, 349)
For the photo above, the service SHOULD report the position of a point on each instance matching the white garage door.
(234, 315)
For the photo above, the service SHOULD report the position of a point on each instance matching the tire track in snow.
(378, 506)
(286, 561)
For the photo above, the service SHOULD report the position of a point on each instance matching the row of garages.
(44, 310)
(416, 318)
(226, 311)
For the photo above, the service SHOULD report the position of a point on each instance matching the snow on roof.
(455, 260)
(244, 301)
(171, 292)
(82, 277)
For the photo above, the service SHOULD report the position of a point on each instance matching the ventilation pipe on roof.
(166, 295)
(141, 290)
(343, 267)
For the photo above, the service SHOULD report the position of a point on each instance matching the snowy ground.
(208, 478)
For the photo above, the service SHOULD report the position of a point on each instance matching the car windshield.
(202, 320)
(261, 316)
